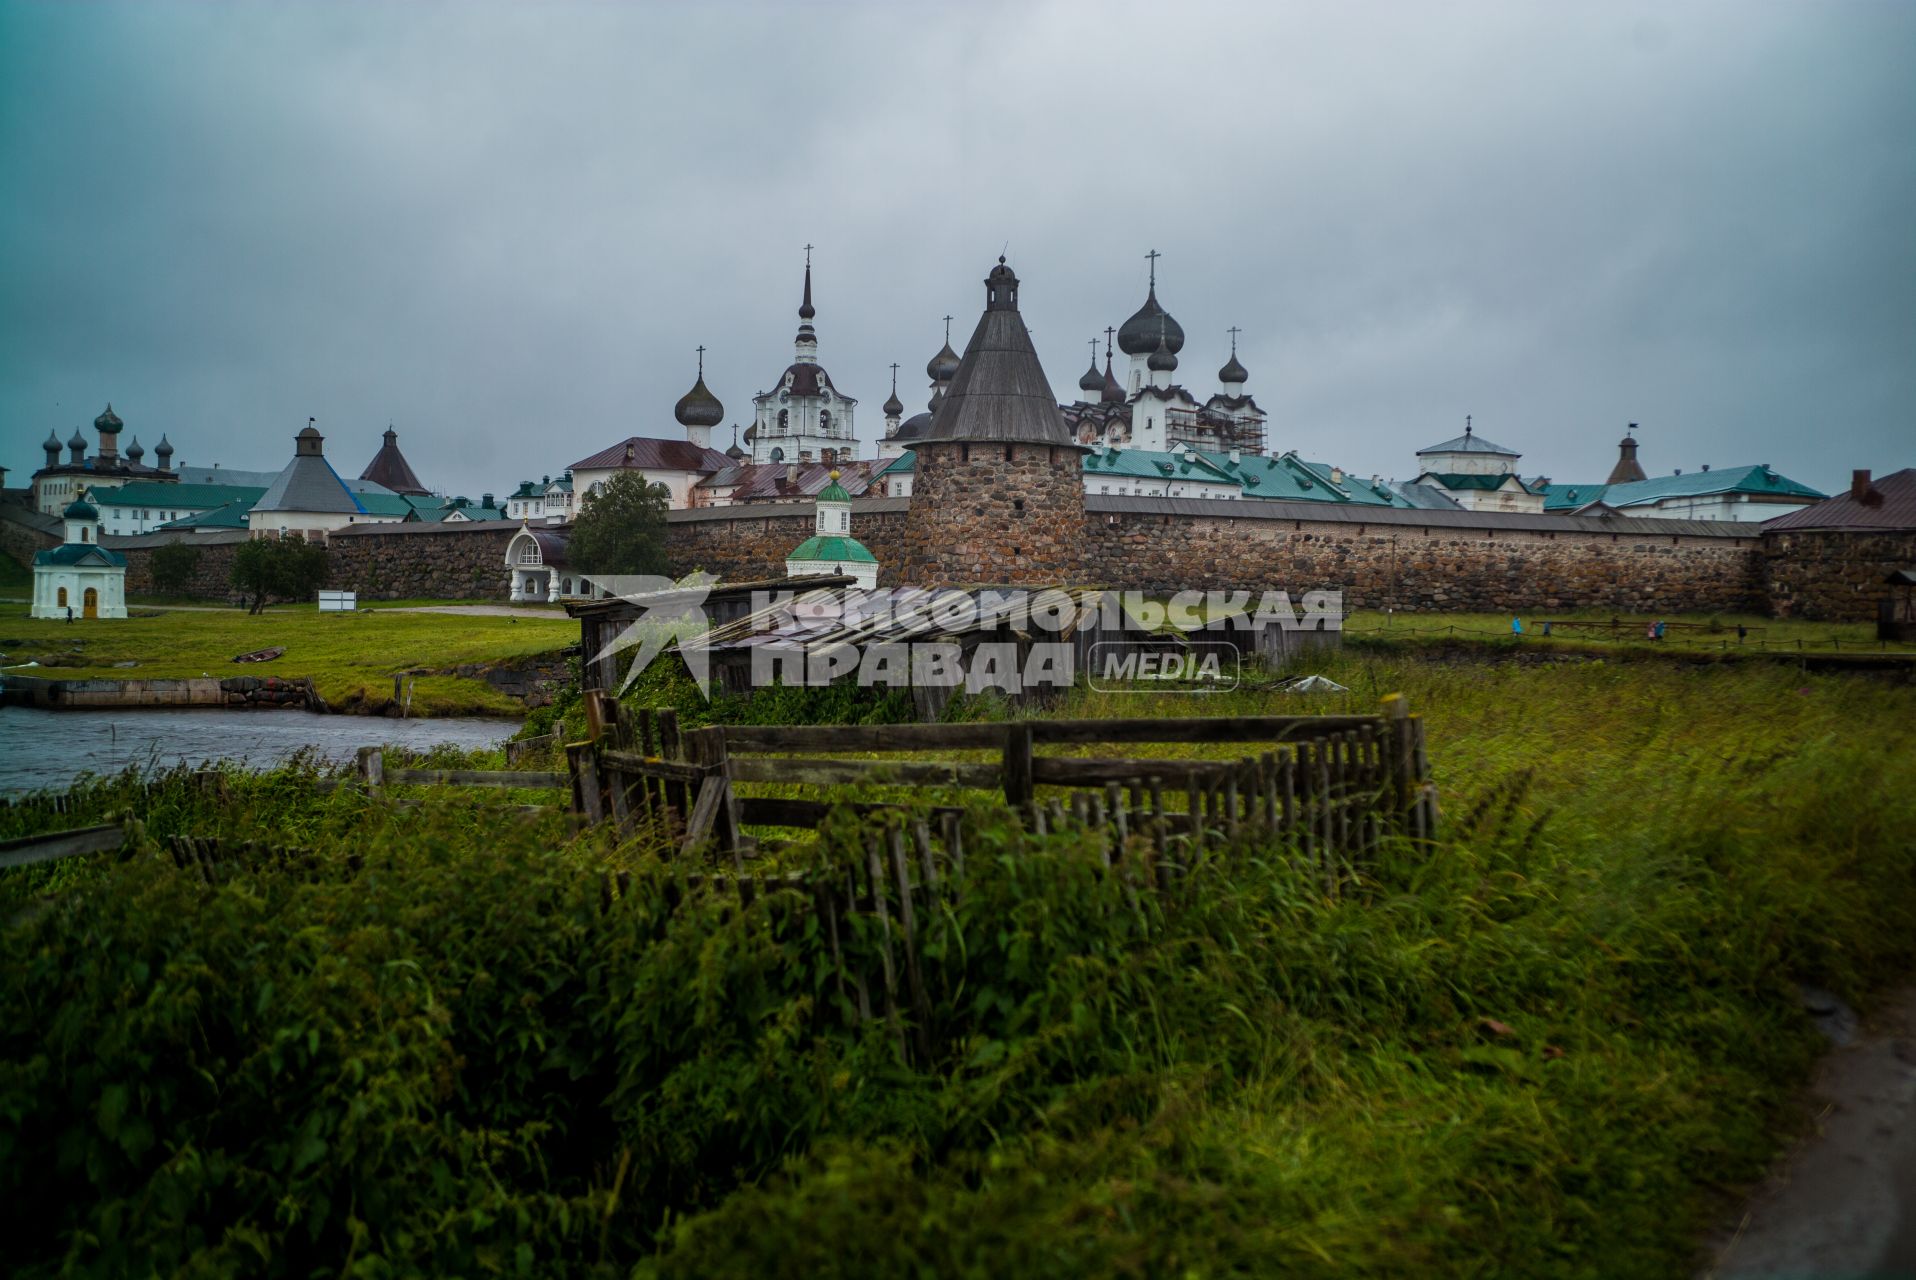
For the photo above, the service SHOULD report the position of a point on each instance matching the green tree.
(621, 528)
(286, 568)
(173, 568)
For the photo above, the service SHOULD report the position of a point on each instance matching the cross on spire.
(1234, 331)
(1094, 351)
(808, 255)
(894, 377)
(947, 330)
(1154, 255)
(1466, 424)
(701, 361)
(1108, 331)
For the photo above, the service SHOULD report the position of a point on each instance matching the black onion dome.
(943, 366)
(1140, 333)
(134, 452)
(108, 421)
(1092, 383)
(1233, 371)
(164, 449)
(893, 406)
(699, 407)
(914, 427)
(735, 453)
(1113, 392)
(1162, 361)
(78, 441)
(53, 442)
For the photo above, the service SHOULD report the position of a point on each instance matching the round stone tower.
(998, 487)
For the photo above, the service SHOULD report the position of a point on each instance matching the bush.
(282, 568)
(174, 566)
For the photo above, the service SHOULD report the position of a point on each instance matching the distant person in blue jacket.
(1516, 626)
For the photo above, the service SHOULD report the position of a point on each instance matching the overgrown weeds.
(1533, 1049)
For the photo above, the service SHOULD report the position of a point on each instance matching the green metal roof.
(832, 548)
(1454, 481)
(904, 463)
(194, 497)
(1759, 479)
(74, 553)
(1155, 464)
(230, 516)
(833, 492)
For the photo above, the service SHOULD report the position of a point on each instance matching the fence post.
(582, 762)
(372, 767)
(1400, 746)
(1017, 765)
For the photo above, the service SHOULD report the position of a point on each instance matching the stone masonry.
(1832, 575)
(1009, 513)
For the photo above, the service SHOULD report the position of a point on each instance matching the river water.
(40, 749)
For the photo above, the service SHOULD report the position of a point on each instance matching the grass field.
(1552, 1045)
(351, 657)
(1691, 633)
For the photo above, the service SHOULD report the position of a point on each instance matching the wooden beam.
(828, 773)
(1070, 771)
(27, 850)
(1197, 728)
(863, 737)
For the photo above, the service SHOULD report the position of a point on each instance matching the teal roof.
(831, 548)
(74, 553)
(1568, 497)
(230, 516)
(1759, 479)
(1285, 477)
(904, 464)
(1455, 481)
(1155, 464)
(833, 492)
(80, 509)
(196, 497)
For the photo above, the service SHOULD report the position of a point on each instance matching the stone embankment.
(197, 691)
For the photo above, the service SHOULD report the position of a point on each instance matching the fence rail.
(1340, 783)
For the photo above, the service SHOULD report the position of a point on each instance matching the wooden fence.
(1334, 784)
(1324, 789)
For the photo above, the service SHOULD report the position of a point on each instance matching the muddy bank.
(1843, 1202)
(229, 692)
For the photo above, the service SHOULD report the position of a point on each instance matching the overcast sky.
(504, 229)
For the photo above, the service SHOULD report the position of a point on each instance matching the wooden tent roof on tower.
(1000, 394)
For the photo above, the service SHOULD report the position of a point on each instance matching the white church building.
(79, 578)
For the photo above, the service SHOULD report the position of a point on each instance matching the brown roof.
(647, 453)
(1891, 504)
(1000, 392)
(766, 481)
(390, 468)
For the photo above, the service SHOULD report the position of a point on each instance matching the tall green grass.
(1540, 1048)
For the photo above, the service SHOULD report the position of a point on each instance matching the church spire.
(806, 344)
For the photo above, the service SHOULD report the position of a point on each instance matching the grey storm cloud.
(504, 228)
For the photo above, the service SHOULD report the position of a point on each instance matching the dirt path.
(1843, 1203)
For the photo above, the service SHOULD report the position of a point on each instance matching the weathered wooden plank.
(863, 737)
(527, 778)
(914, 773)
(698, 827)
(767, 811)
(25, 851)
(1017, 775)
(907, 919)
(1196, 728)
(653, 767)
(1076, 771)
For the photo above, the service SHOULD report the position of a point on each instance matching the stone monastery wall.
(1492, 563)
(1832, 575)
(422, 561)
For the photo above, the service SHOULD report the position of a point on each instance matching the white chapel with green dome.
(79, 578)
(831, 548)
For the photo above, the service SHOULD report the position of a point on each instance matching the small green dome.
(81, 509)
(833, 492)
(826, 547)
